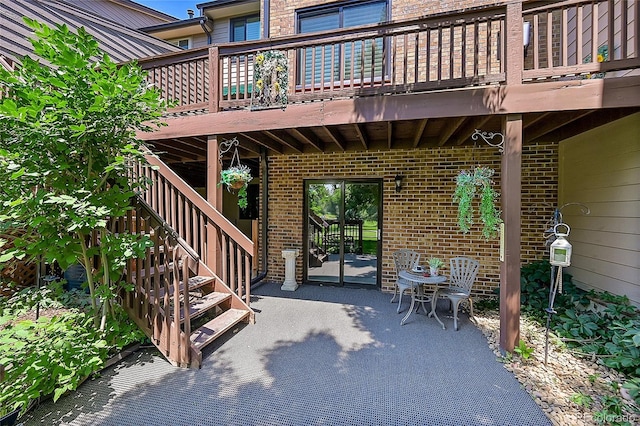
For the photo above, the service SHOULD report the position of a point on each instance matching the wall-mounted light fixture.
(398, 180)
(526, 35)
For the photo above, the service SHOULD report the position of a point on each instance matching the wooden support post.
(214, 197)
(511, 185)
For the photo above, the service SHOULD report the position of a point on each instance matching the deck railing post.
(214, 79)
(514, 52)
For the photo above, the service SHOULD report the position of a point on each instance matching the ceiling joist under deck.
(362, 135)
(258, 139)
(422, 124)
(284, 138)
(550, 111)
(468, 129)
(179, 150)
(587, 122)
(335, 137)
(450, 128)
(405, 134)
(552, 123)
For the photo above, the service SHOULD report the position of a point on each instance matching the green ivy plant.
(237, 177)
(582, 399)
(68, 134)
(633, 387)
(472, 183)
(608, 331)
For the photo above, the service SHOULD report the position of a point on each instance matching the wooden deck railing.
(581, 38)
(450, 50)
(219, 244)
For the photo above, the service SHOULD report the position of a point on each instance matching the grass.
(370, 237)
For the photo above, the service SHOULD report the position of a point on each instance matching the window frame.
(322, 9)
(312, 11)
(243, 19)
(176, 42)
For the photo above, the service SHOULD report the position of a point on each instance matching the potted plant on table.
(237, 177)
(435, 264)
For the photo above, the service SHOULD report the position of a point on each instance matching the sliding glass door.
(343, 232)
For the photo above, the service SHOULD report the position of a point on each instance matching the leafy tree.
(67, 133)
(324, 199)
(361, 201)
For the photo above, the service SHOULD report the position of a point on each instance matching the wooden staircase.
(193, 284)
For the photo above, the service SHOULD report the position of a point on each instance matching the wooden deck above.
(419, 83)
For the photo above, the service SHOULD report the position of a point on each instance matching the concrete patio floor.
(316, 356)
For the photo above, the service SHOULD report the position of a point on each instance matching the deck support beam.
(214, 197)
(510, 188)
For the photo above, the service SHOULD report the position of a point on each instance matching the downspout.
(259, 280)
(266, 18)
(203, 23)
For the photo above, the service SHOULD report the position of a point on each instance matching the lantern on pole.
(560, 253)
(559, 256)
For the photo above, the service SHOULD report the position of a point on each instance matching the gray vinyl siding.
(601, 168)
(221, 30)
(199, 40)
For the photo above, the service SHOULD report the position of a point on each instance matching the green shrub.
(47, 356)
(51, 356)
(608, 330)
(535, 284)
(622, 351)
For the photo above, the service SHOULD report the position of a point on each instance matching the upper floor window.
(245, 28)
(184, 43)
(342, 16)
(358, 61)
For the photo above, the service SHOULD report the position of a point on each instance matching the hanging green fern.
(467, 183)
(465, 191)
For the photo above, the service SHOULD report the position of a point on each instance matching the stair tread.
(216, 327)
(200, 305)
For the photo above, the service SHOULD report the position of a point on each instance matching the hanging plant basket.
(270, 80)
(237, 185)
(237, 178)
(472, 183)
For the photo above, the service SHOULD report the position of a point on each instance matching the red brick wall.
(423, 215)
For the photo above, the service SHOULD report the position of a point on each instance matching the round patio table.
(417, 292)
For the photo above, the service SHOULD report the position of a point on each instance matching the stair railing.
(218, 243)
(157, 302)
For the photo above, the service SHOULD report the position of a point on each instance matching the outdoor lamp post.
(559, 256)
